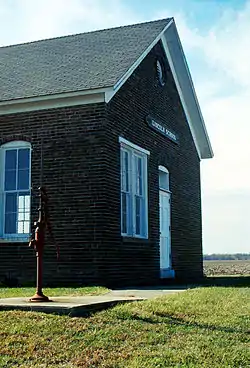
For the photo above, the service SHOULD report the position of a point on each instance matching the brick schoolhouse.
(115, 118)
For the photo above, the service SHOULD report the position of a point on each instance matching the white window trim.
(16, 144)
(124, 142)
(5, 238)
(144, 153)
(163, 168)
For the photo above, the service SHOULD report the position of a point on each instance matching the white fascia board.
(52, 101)
(184, 84)
(170, 61)
(130, 71)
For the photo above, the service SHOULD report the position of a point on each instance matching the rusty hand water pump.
(38, 241)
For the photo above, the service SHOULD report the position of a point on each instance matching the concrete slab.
(145, 293)
(72, 306)
(84, 305)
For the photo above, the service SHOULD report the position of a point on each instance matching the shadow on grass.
(181, 322)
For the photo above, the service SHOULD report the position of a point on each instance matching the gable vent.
(160, 73)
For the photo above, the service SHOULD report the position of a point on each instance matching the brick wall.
(82, 176)
(138, 260)
(73, 175)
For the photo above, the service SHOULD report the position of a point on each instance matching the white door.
(165, 242)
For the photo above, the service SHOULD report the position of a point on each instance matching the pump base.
(39, 298)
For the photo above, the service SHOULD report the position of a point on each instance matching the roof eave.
(54, 101)
(183, 80)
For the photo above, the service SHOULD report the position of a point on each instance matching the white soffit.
(53, 101)
(185, 87)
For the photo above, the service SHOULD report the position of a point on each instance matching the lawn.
(204, 327)
(28, 291)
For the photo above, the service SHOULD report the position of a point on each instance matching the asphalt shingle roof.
(73, 63)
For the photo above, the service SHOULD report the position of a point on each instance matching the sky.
(216, 42)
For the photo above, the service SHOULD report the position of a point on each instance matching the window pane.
(10, 223)
(23, 158)
(21, 199)
(164, 180)
(24, 213)
(124, 213)
(10, 180)
(23, 179)
(10, 202)
(23, 227)
(27, 202)
(27, 216)
(125, 171)
(26, 229)
(138, 175)
(138, 216)
(20, 227)
(24, 206)
(10, 159)
(21, 216)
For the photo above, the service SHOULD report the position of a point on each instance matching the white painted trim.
(167, 273)
(163, 168)
(56, 96)
(132, 145)
(163, 192)
(130, 71)
(52, 102)
(16, 144)
(109, 93)
(194, 93)
(146, 196)
(182, 97)
(165, 46)
(134, 151)
(16, 239)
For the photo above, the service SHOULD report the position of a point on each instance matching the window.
(15, 190)
(134, 206)
(163, 178)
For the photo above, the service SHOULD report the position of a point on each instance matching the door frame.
(164, 188)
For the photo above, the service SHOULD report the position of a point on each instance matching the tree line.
(227, 257)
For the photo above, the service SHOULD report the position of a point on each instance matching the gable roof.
(92, 67)
(73, 63)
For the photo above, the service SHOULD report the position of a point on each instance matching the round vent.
(160, 73)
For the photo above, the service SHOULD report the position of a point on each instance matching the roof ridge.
(88, 32)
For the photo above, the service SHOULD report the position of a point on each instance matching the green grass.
(205, 327)
(28, 291)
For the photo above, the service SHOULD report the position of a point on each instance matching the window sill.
(15, 240)
(131, 239)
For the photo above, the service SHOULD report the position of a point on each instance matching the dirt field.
(226, 268)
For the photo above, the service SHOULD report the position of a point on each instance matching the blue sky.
(215, 37)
